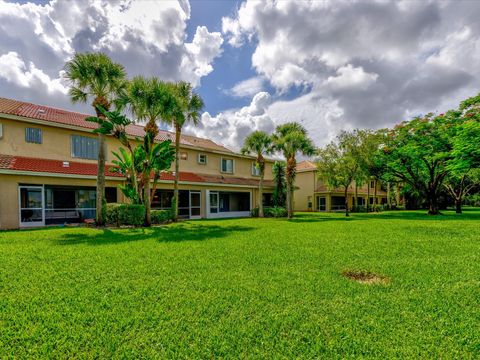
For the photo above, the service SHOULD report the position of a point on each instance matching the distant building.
(313, 194)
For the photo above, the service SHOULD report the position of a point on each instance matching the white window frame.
(200, 162)
(233, 166)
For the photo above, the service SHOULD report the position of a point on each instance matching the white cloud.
(14, 70)
(146, 37)
(231, 127)
(247, 88)
(360, 64)
(350, 77)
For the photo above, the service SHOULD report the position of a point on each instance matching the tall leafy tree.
(280, 192)
(338, 163)
(188, 111)
(417, 153)
(95, 77)
(259, 144)
(150, 100)
(292, 139)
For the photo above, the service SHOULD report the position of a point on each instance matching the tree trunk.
(375, 195)
(100, 203)
(368, 196)
(289, 194)
(178, 131)
(432, 202)
(355, 200)
(346, 201)
(458, 205)
(388, 195)
(146, 200)
(260, 196)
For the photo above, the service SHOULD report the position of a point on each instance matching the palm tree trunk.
(290, 173)
(178, 131)
(289, 195)
(146, 200)
(100, 202)
(260, 196)
(375, 194)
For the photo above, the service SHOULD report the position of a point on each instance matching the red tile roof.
(64, 117)
(20, 163)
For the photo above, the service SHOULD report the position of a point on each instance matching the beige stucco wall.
(9, 197)
(305, 184)
(56, 145)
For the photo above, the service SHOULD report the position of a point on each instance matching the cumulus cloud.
(360, 64)
(148, 38)
(231, 127)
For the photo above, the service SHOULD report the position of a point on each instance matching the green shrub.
(276, 211)
(161, 216)
(125, 214)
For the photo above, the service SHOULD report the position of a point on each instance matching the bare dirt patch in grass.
(366, 277)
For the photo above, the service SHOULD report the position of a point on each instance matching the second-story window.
(255, 169)
(372, 184)
(227, 166)
(84, 147)
(33, 135)
(202, 159)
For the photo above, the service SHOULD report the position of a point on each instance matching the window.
(372, 184)
(183, 156)
(227, 166)
(202, 159)
(84, 147)
(255, 169)
(33, 135)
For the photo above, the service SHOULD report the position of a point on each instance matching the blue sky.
(329, 65)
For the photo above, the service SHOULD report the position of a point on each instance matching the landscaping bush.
(276, 211)
(125, 214)
(161, 216)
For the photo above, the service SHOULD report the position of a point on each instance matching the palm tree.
(191, 104)
(96, 77)
(150, 100)
(258, 143)
(292, 139)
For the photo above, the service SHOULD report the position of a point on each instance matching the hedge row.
(130, 214)
(275, 211)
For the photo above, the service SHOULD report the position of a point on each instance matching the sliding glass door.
(31, 201)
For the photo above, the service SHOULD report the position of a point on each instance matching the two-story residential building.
(313, 194)
(48, 171)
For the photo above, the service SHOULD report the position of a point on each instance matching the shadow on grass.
(170, 233)
(321, 217)
(412, 215)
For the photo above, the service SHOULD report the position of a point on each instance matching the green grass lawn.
(248, 288)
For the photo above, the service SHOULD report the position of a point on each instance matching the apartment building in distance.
(313, 194)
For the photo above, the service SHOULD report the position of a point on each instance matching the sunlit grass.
(252, 288)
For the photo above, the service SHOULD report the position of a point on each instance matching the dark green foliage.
(280, 191)
(162, 216)
(125, 214)
(276, 212)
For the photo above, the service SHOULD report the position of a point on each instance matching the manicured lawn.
(248, 288)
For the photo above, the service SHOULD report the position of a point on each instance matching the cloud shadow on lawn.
(168, 233)
(316, 217)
